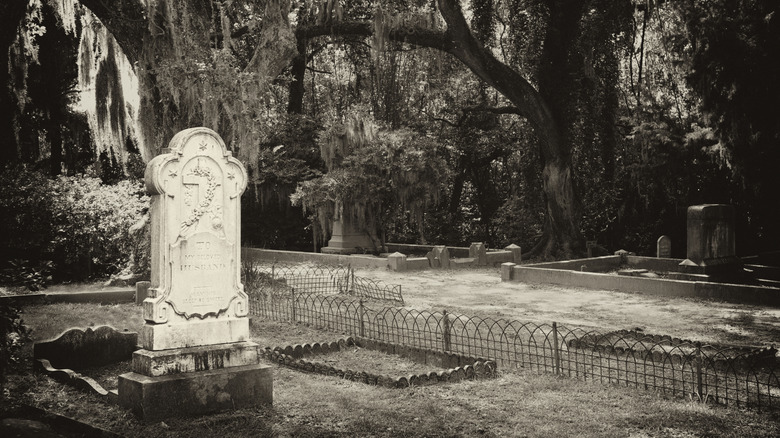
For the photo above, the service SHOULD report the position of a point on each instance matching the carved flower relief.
(216, 217)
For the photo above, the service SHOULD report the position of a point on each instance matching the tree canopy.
(544, 123)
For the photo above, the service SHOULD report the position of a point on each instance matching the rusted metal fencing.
(724, 375)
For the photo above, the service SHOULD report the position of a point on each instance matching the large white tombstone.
(196, 296)
(197, 329)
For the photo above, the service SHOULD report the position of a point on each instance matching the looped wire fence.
(722, 375)
(323, 280)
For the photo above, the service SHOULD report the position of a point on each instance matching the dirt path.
(481, 292)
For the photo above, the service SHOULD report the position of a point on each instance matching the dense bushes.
(75, 225)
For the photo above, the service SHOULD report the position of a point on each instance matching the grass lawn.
(516, 403)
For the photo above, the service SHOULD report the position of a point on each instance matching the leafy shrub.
(74, 227)
(91, 223)
(13, 335)
(25, 215)
(23, 273)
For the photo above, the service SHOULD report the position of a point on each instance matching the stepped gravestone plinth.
(711, 249)
(347, 239)
(196, 356)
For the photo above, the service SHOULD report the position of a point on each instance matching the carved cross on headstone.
(202, 180)
(196, 181)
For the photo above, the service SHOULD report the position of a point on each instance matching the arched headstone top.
(186, 145)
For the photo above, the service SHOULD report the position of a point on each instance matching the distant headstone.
(433, 261)
(196, 309)
(711, 243)
(478, 251)
(589, 244)
(442, 254)
(663, 247)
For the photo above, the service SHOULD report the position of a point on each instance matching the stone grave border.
(591, 273)
(458, 367)
(77, 348)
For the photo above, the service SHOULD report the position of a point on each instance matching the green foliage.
(25, 214)
(13, 335)
(288, 156)
(733, 48)
(91, 222)
(75, 227)
(25, 274)
(373, 175)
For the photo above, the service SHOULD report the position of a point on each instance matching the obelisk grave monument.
(196, 355)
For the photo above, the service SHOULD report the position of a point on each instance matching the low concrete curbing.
(100, 296)
(578, 273)
(357, 261)
(456, 257)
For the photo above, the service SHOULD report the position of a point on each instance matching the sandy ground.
(481, 292)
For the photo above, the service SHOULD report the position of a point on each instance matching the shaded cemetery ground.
(313, 406)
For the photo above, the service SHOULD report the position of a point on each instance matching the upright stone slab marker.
(197, 329)
(710, 245)
(663, 247)
(196, 296)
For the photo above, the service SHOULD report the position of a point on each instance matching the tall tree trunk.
(557, 86)
(544, 109)
(296, 88)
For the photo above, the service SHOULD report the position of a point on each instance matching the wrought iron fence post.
(362, 321)
(292, 303)
(446, 331)
(556, 355)
(699, 385)
(352, 284)
(273, 268)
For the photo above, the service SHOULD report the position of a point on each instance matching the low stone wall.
(593, 264)
(653, 263)
(98, 296)
(441, 257)
(575, 273)
(456, 367)
(407, 248)
(437, 257)
(357, 261)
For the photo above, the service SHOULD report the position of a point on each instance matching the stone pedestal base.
(195, 380)
(726, 266)
(346, 240)
(194, 333)
(194, 359)
(175, 395)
